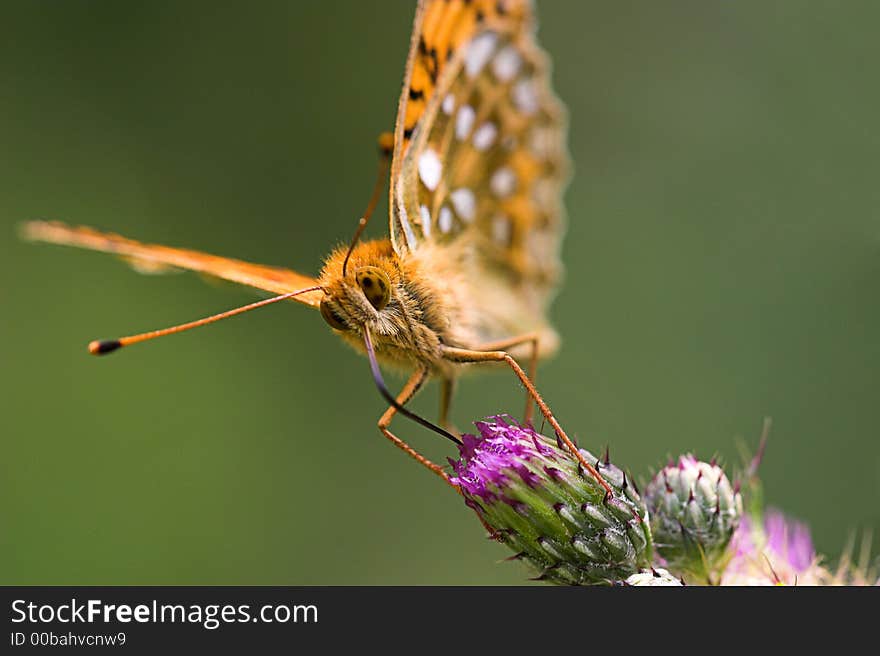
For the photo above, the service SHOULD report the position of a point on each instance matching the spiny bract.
(532, 494)
(694, 512)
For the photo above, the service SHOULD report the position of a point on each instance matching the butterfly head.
(365, 293)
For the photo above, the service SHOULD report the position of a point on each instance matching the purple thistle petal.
(543, 449)
(743, 543)
(502, 449)
(783, 537)
(790, 539)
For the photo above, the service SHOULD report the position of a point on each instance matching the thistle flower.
(532, 494)
(694, 513)
(774, 550)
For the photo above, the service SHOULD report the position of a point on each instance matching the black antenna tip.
(104, 346)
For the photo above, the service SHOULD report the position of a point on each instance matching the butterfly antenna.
(383, 390)
(386, 147)
(104, 346)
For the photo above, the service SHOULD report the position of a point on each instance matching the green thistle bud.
(694, 513)
(531, 493)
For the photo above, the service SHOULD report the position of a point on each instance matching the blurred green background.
(723, 264)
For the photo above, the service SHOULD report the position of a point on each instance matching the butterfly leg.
(410, 389)
(509, 343)
(470, 356)
(447, 389)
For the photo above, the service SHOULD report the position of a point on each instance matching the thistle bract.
(694, 513)
(531, 493)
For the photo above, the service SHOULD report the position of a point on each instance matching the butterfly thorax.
(436, 296)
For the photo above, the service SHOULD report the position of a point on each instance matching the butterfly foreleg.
(511, 342)
(447, 391)
(453, 354)
(410, 389)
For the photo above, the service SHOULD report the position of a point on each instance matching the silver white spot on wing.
(503, 182)
(484, 136)
(525, 98)
(448, 105)
(478, 53)
(465, 203)
(425, 215)
(506, 64)
(430, 169)
(464, 121)
(444, 220)
(411, 240)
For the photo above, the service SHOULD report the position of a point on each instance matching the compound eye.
(331, 317)
(375, 285)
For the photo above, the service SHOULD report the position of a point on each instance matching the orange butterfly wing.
(481, 161)
(480, 148)
(276, 280)
(440, 28)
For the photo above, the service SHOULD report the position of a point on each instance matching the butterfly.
(478, 165)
